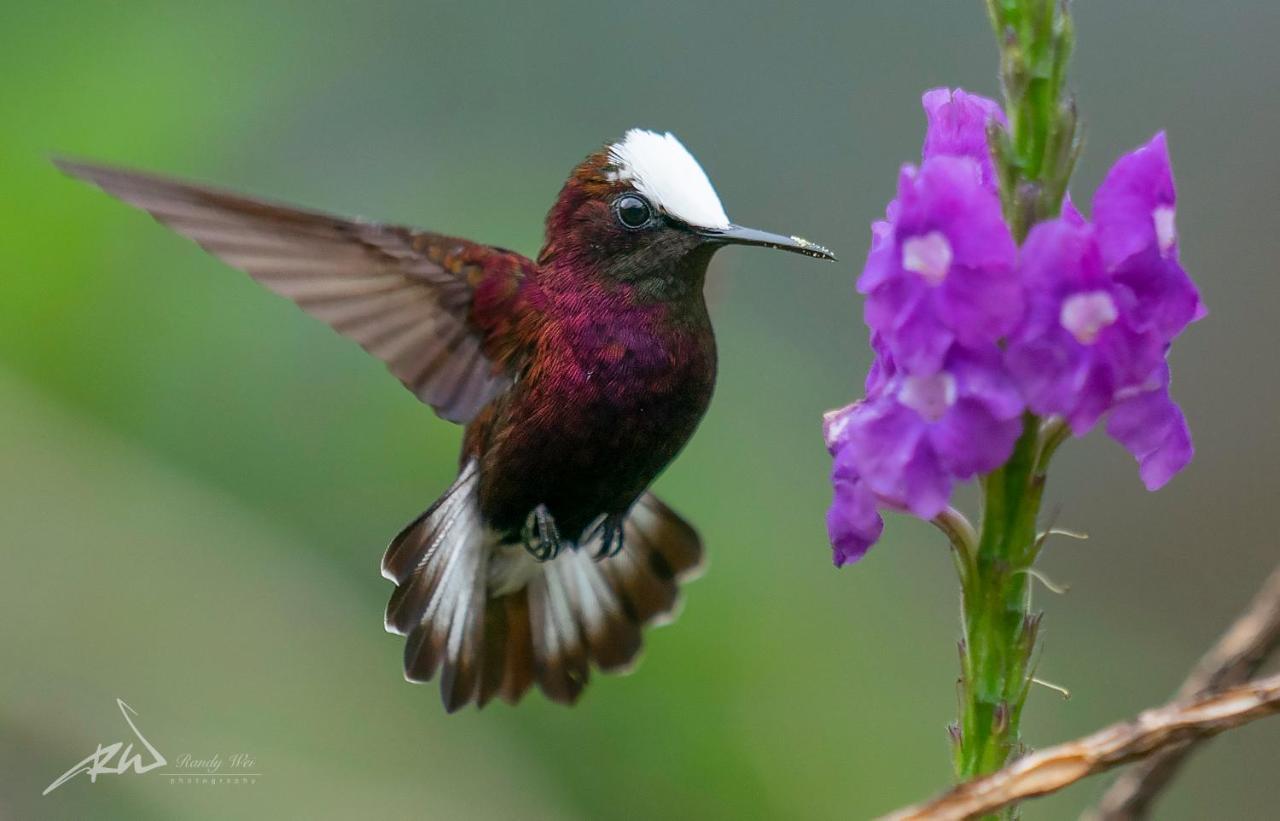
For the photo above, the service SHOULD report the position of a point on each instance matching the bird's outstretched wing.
(405, 296)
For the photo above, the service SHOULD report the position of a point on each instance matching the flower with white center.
(1086, 315)
(941, 269)
(664, 171)
(929, 256)
(912, 440)
(930, 396)
(1079, 344)
(1134, 211)
(970, 332)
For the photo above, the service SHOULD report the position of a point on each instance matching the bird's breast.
(607, 402)
(630, 361)
(632, 381)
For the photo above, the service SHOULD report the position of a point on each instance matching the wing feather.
(405, 296)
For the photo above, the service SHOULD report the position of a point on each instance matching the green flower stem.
(1036, 156)
(1034, 159)
(999, 630)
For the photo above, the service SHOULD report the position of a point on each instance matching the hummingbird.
(579, 376)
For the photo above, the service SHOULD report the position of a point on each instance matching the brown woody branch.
(1233, 660)
(1056, 767)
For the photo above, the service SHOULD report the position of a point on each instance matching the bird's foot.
(540, 535)
(611, 537)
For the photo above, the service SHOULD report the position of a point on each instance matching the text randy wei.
(234, 763)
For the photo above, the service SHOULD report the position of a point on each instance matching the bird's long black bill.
(737, 235)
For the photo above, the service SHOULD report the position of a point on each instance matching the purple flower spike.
(1151, 426)
(908, 443)
(958, 127)
(947, 272)
(1135, 214)
(853, 523)
(1079, 343)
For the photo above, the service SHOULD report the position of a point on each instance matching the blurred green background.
(198, 480)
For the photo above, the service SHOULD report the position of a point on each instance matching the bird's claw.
(611, 537)
(540, 535)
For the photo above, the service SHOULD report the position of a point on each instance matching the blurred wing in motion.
(405, 296)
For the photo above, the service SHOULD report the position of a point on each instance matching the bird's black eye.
(633, 211)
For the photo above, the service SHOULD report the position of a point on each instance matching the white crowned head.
(664, 171)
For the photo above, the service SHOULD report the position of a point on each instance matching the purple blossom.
(1151, 426)
(909, 442)
(1080, 342)
(853, 523)
(1135, 213)
(958, 127)
(969, 331)
(941, 267)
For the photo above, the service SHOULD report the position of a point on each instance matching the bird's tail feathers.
(492, 620)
